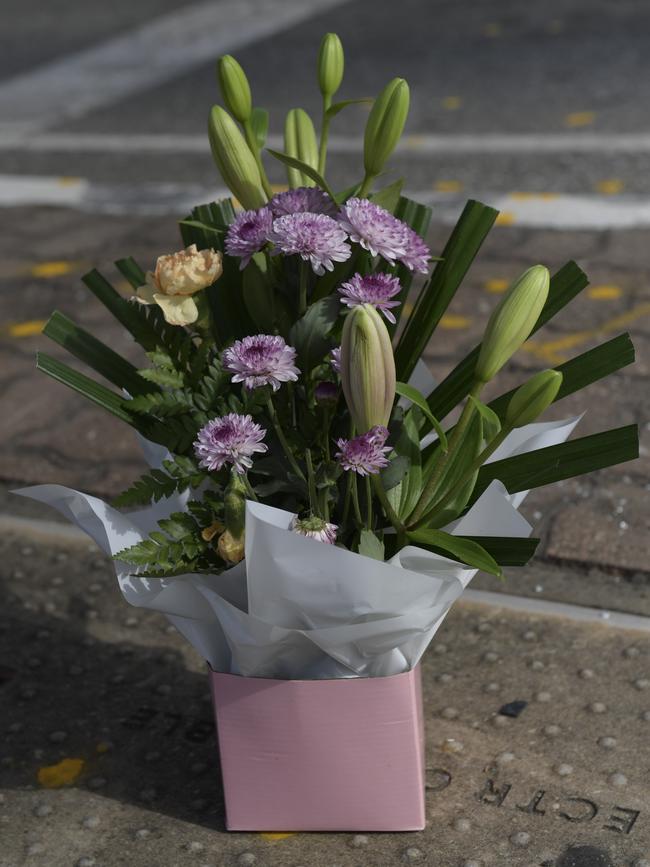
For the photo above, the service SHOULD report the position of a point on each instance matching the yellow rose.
(177, 277)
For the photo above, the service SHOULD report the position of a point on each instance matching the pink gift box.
(321, 755)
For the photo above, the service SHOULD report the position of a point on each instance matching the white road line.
(582, 212)
(424, 145)
(155, 52)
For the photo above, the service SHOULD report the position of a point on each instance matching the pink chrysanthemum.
(248, 233)
(335, 359)
(315, 528)
(376, 289)
(383, 235)
(311, 200)
(229, 439)
(316, 238)
(263, 359)
(365, 454)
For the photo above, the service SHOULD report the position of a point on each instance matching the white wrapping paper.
(297, 608)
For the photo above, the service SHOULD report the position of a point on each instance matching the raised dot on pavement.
(413, 855)
(520, 838)
(358, 841)
(246, 859)
(564, 770)
(618, 779)
(607, 742)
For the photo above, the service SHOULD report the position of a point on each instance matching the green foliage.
(176, 475)
(463, 549)
(176, 549)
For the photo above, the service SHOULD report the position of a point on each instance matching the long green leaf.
(82, 384)
(565, 285)
(467, 551)
(131, 315)
(333, 110)
(563, 461)
(464, 243)
(411, 393)
(260, 124)
(581, 371)
(508, 550)
(306, 169)
(130, 269)
(96, 354)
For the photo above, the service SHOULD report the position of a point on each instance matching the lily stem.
(324, 134)
(283, 440)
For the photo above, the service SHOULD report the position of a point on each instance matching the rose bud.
(234, 160)
(235, 89)
(367, 368)
(176, 278)
(533, 397)
(330, 64)
(300, 142)
(512, 321)
(385, 125)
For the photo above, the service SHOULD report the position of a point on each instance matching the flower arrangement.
(315, 503)
(281, 355)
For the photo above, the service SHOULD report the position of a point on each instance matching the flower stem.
(283, 440)
(366, 184)
(355, 499)
(324, 134)
(249, 488)
(369, 503)
(311, 482)
(347, 500)
(469, 472)
(454, 442)
(302, 282)
(252, 144)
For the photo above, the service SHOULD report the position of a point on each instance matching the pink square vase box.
(321, 755)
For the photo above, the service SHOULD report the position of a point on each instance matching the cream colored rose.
(177, 277)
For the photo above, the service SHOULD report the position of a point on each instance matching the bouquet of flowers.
(308, 511)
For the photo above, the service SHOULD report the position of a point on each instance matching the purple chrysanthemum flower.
(374, 228)
(303, 200)
(230, 439)
(316, 238)
(248, 233)
(335, 359)
(364, 454)
(314, 528)
(263, 359)
(375, 289)
(383, 235)
(417, 255)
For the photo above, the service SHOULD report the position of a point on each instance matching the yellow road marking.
(505, 218)
(26, 329)
(604, 293)
(492, 29)
(451, 322)
(273, 837)
(279, 188)
(580, 118)
(103, 747)
(62, 774)
(550, 351)
(496, 286)
(524, 196)
(53, 269)
(448, 186)
(414, 141)
(408, 308)
(610, 186)
(451, 103)
(68, 181)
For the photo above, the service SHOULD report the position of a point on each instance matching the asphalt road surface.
(538, 109)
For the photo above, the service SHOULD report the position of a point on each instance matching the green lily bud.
(385, 125)
(367, 368)
(533, 397)
(330, 64)
(234, 159)
(300, 142)
(512, 321)
(235, 89)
